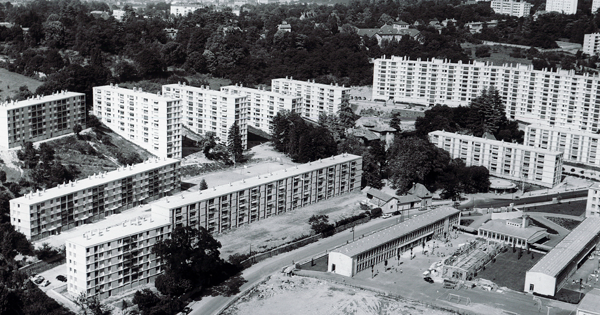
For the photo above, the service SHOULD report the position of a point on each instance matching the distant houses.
(394, 32)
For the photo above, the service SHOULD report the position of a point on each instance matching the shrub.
(376, 213)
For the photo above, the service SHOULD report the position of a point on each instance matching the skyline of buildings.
(40, 118)
(511, 7)
(152, 121)
(562, 6)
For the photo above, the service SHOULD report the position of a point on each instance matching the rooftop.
(494, 142)
(500, 226)
(185, 198)
(590, 302)
(420, 191)
(576, 131)
(383, 128)
(39, 99)
(120, 230)
(205, 89)
(408, 199)
(261, 91)
(560, 256)
(376, 193)
(92, 181)
(395, 231)
(137, 91)
(321, 85)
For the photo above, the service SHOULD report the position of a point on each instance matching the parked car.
(61, 278)
(428, 279)
(38, 279)
(46, 283)
(187, 310)
(386, 216)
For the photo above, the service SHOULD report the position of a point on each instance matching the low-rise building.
(553, 270)
(229, 206)
(503, 159)
(150, 120)
(40, 118)
(515, 232)
(107, 262)
(370, 250)
(118, 14)
(379, 199)
(419, 190)
(48, 212)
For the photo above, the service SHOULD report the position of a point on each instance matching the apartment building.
(207, 110)
(239, 203)
(595, 6)
(511, 7)
(317, 98)
(152, 121)
(263, 105)
(591, 43)
(592, 208)
(102, 263)
(40, 117)
(559, 98)
(562, 6)
(43, 213)
(503, 159)
(182, 9)
(577, 146)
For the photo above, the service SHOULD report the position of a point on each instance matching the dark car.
(428, 279)
(187, 310)
(61, 278)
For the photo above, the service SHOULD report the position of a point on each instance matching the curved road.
(253, 275)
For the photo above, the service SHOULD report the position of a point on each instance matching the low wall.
(41, 266)
(507, 215)
(281, 249)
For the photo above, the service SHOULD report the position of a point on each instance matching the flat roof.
(37, 99)
(562, 254)
(395, 231)
(590, 302)
(494, 142)
(92, 181)
(186, 198)
(321, 85)
(500, 226)
(205, 89)
(265, 92)
(136, 91)
(119, 230)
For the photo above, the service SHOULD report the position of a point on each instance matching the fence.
(281, 249)
(41, 266)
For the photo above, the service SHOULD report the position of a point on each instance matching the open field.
(11, 81)
(283, 228)
(575, 208)
(508, 271)
(300, 295)
(499, 55)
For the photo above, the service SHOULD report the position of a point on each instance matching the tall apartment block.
(595, 6)
(503, 159)
(591, 43)
(48, 212)
(560, 98)
(263, 105)
(562, 6)
(152, 121)
(229, 206)
(40, 118)
(511, 7)
(317, 98)
(592, 208)
(207, 110)
(109, 261)
(577, 146)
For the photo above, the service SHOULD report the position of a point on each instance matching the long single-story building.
(372, 249)
(553, 270)
(516, 231)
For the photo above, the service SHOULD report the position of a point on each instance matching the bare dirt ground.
(289, 295)
(283, 228)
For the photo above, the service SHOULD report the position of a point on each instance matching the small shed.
(387, 203)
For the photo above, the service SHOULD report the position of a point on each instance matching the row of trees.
(43, 170)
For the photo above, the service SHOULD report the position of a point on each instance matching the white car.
(386, 216)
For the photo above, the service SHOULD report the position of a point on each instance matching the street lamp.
(353, 233)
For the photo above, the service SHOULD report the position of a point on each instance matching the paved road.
(502, 202)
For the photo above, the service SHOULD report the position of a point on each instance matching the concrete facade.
(562, 6)
(43, 213)
(40, 118)
(592, 208)
(591, 42)
(149, 120)
(503, 159)
(511, 7)
(577, 146)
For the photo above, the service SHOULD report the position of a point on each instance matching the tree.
(319, 223)
(346, 115)
(234, 143)
(145, 300)
(376, 213)
(28, 154)
(395, 121)
(482, 51)
(192, 255)
(2, 176)
(203, 185)
(77, 130)
(371, 172)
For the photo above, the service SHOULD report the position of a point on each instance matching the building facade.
(149, 120)
(503, 159)
(514, 232)
(577, 146)
(43, 213)
(511, 7)
(40, 118)
(390, 242)
(591, 42)
(562, 6)
(229, 206)
(263, 105)
(185, 9)
(317, 98)
(595, 6)
(106, 262)
(559, 98)
(205, 110)
(592, 208)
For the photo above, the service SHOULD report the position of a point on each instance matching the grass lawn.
(568, 224)
(319, 264)
(466, 222)
(575, 208)
(508, 271)
(499, 55)
(11, 81)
